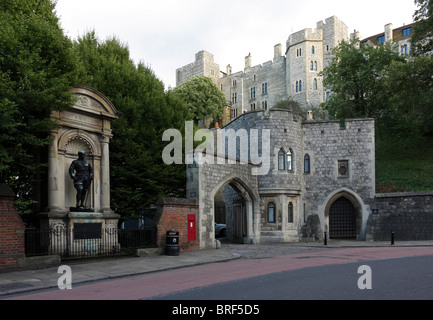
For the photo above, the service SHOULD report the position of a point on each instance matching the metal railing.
(72, 244)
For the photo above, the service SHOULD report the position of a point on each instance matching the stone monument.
(79, 189)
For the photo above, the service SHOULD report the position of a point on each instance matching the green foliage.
(36, 72)
(294, 106)
(355, 77)
(43, 9)
(138, 175)
(203, 98)
(396, 91)
(422, 38)
(289, 104)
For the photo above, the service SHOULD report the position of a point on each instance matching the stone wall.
(328, 143)
(291, 189)
(172, 214)
(408, 215)
(257, 87)
(12, 231)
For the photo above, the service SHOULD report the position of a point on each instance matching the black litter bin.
(172, 243)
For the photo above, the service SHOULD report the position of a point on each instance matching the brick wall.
(173, 215)
(12, 231)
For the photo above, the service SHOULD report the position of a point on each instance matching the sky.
(166, 34)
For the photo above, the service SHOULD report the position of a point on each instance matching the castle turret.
(229, 70)
(248, 62)
(277, 50)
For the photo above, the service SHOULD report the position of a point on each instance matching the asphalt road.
(330, 274)
(391, 279)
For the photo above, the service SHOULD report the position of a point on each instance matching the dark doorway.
(239, 222)
(342, 220)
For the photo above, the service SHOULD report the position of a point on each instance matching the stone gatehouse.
(321, 178)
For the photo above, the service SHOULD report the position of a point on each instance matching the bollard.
(392, 238)
(325, 240)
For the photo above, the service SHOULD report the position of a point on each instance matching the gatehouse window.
(290, 160)
(271, 212)
(290, 213)
(307, 164)
(315, 84)
(281, 160)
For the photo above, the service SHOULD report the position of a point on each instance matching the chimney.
(388, 33)
(354, 36)
(277, 50)
(248, 61)
(229, 70)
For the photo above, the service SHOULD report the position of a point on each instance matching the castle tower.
(204, 65)
(308, 53)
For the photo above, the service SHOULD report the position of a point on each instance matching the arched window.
(297, 86)
(307, 164)
(311, 66)
(271, 212)
(312, 49)
(300, 85)
(290, 158)
(315, 84)
(290, 213)
(315, 65)
(281, 160)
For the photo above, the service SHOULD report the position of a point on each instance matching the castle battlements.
(295, 74)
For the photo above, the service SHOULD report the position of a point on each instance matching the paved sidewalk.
(20, 281)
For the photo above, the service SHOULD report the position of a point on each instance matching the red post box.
(191, 228)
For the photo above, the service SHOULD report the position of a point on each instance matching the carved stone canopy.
(90, 100)
(85, 126)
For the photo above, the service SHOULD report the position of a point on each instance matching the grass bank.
(404, 167)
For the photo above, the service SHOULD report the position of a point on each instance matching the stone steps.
(271, 237)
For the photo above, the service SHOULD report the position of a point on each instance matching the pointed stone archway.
(240, 204)
(206, 180)
(345, 215)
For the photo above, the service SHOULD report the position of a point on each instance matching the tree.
(138, 175)
(203, 98)
(36, 72)
(355, 77)
(409, 87)
(296, 107)
(422, 38)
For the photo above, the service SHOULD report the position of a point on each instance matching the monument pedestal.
(82, 233)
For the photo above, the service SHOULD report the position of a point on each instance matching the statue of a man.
(82, 173)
